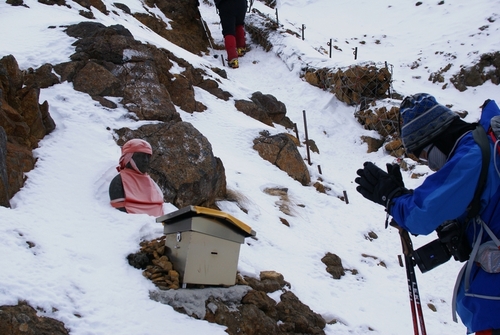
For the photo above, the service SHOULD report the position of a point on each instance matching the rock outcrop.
(281, 151)
(353, 85)
(22, 319)
(186, 28)
(153, 259)
(246, 308)
(265, 108)
(24, 122)
(487, 68)
(109, 62)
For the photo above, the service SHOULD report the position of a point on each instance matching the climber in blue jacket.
(439, 138)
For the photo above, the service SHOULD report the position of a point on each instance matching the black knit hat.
(423, 119)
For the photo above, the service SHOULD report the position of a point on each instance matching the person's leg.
(227, 19)
(240, 13)
(230, 45)
(240, 37)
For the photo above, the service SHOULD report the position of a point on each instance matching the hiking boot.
(233, 63)
(241, 51)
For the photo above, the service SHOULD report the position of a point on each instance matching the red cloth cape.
(142, 194)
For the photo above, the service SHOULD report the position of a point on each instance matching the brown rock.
(145, 96)
(333, 265)
(99, 5)
(94, 79)
(276, 110)
(319, 187)
(20, 160)
(212, 87)
(163, 263)
(312, 78)
(262, 301)
(487, 68)
(373, 143)
(109, 62)
(186, 28)
(272, 275)
(253, 110)
(42, 77)
(174, 275)
(138, 72)
(154, 276)
(282, 152)
(22, 319)
(23, 120)
(182, 93)
(15, 2)
(356, 83)
(270, 281)
(53, 2)
(11, 79)
(248, 319)
(285, 222)
(394, 145)
(32, 115)
(298, 317)
(68, 70)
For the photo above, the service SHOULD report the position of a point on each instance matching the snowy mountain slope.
(77, 272)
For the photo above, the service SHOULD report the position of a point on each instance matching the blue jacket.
(445, 195)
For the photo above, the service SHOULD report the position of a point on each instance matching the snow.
(77, 270)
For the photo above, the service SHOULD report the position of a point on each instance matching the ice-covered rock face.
(253, 306)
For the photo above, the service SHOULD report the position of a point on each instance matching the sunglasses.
(424, 154)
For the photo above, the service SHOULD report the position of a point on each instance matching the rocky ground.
(104, 65)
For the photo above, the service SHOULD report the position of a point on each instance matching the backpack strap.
(481, 138)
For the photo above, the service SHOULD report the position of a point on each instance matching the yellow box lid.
(191, 210)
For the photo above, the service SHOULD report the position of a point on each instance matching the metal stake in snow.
(307, 138)
(250, 7)
(389, 89)
(303, 28)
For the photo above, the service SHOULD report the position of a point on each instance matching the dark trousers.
(232, 13)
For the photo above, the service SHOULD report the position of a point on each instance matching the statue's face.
(141, 159)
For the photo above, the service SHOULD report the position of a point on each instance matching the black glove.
(379, 186)
(394, 171)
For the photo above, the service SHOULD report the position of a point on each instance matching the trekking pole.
(203, 23)
(415, 305)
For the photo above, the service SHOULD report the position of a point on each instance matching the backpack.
(486, 254)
